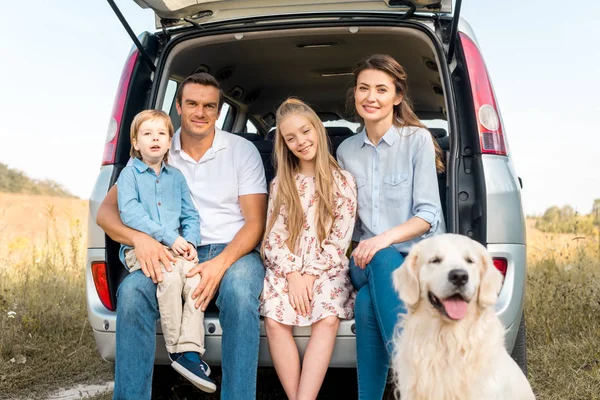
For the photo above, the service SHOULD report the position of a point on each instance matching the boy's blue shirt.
(160, 206)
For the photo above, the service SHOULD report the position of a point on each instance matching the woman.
(311, 216)
(394, 162)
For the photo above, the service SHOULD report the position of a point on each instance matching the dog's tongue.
(456, 308)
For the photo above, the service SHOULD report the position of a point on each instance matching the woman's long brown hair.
(403, 113)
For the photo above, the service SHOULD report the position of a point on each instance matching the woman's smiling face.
(375, 96)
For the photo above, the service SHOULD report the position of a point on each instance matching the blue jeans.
(376, 313)
(238, 302)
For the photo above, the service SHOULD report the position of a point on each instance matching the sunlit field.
(46, 342)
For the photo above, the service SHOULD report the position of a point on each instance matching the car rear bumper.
(508, 308)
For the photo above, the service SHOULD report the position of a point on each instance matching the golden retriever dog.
(451, 343)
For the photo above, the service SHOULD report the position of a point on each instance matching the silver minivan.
(264, 51)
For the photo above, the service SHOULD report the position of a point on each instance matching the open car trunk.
(260, 69)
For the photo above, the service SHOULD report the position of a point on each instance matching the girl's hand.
(298, 293)
(309, 280)
(180, 246)
(364, 252)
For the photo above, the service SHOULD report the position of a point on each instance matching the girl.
(394, 162)
(311, 215)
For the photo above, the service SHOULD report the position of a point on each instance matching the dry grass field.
(46, 343)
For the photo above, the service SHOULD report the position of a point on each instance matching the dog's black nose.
(458, 277)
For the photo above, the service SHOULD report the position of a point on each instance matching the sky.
(61, 61)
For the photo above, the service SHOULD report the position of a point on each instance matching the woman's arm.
(426, 205)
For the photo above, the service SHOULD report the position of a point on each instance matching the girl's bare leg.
(284, 354)
(317, 357)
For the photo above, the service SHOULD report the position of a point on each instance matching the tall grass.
(45, 340)
(563, 316)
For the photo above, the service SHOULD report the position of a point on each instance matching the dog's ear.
(491, 280)
(406, 279)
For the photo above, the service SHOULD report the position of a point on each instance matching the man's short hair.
(201, 78)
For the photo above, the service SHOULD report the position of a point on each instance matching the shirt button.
(159, 203)
(157, 181)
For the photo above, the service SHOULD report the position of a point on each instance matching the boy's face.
(153, 141)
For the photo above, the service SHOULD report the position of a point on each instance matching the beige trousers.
(182, 324)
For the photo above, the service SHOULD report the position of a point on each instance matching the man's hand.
(212, 272)
(150, 254)
(364, 252)
(299, 293)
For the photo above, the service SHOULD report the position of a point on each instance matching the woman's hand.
(366, 249)
(299, 293)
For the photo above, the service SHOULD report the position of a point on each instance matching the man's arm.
(147, 250)
(109, 220)
(254, 210)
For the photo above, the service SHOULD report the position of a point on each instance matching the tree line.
(15, 181)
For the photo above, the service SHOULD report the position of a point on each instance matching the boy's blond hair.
(142, 117)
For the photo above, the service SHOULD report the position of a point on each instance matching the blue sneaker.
(203, 364)
(193, 372)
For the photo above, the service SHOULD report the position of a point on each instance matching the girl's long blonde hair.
(287, 165)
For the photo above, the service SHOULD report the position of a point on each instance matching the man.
(227, 181)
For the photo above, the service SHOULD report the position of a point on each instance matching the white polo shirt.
(232, 167)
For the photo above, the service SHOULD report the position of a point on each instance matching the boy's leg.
(191, 337)
(238, 303)
(137, 313)
(168, 294)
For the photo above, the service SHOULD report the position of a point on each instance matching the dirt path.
(81, 391)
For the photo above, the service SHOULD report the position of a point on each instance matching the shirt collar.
(142, 167)
(219, 142)
(390, 136)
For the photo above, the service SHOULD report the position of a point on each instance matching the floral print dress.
(333, 293)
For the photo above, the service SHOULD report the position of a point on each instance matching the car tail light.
(100, 276)
(501, 265)
(112, 133)
(489, 123)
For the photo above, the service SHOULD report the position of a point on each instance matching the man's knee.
(237, 296)
(136, 292)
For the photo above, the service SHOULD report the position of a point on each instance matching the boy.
(154, 198)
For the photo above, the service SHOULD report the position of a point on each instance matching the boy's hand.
(180, 246)
(191, 254)
(299, 293)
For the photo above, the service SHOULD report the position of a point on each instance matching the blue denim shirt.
(396, 180)
(160, 206)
